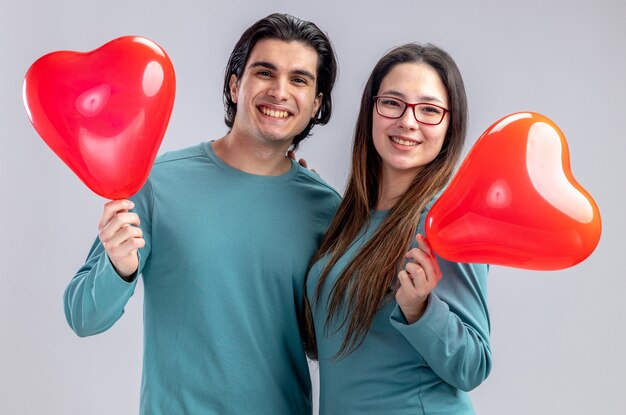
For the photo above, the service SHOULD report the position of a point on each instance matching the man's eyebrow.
(269, 65)
(263, 64)
(305, 73)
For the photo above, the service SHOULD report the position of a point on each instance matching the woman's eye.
(431, 110)
(390, 103)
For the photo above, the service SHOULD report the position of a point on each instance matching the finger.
(423, 252)
(423, 263)
(111, 208)
(414, 270)
(417, 255)
(125, 218)
(405, 280)
(132, 245)
(424, 245)
(291, 154)
(118, 222)
(303, 163)
(418, 274)
(128, 248)
(123, 235)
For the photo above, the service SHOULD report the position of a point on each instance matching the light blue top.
(223, 269)
(419, 368)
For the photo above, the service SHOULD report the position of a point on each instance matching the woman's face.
(405, 145)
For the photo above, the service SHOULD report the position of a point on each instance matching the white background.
(558, 338)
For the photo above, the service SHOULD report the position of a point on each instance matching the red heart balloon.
(515, 202)
(104, 112)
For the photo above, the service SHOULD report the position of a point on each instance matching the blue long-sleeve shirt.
(401, 368)
(223, 270)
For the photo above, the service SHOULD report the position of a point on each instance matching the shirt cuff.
(107, 270)
(434, 319)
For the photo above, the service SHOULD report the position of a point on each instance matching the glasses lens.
(390, 107)
(428, 114)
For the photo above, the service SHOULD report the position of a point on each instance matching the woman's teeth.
(404, 142)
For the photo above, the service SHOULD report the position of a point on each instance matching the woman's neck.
(393, 184)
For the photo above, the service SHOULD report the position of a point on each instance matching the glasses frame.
(410, 105)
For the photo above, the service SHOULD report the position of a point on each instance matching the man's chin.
(277, 139)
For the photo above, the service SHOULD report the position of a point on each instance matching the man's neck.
(252, 157)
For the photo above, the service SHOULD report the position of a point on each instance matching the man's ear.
(317, 104)
(233, 85)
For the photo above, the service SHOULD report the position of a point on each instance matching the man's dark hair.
(287, 28)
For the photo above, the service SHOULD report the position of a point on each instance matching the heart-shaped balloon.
(515, 202)
(104, 112)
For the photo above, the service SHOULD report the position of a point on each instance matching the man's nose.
(279, 89)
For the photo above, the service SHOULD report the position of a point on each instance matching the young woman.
(398, 332)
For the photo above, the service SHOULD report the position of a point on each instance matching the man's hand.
(121, 236)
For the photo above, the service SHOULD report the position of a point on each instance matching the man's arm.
(96, 296)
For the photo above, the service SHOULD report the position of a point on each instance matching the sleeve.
(95, 298)
(453, 333)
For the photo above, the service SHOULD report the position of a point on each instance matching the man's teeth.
(404, 142)
(274, 114)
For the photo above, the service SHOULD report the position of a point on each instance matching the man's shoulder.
(194, 151)
(313, 179)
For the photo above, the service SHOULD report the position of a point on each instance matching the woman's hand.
(417, 280)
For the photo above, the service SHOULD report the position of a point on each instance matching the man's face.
(276, 95)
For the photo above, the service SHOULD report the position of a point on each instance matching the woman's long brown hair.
(363, 286)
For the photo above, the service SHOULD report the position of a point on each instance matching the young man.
(222, 234)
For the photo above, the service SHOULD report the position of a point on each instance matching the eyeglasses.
(425, 113)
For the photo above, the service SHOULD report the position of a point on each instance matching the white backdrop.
(558, 338)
